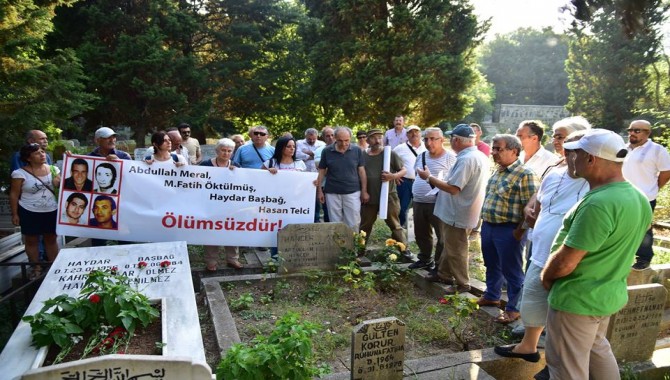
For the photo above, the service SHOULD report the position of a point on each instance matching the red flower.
(165, 264)
(114, 270)
(142, 264)
(444, 301)
(94, 298)
(118, 332)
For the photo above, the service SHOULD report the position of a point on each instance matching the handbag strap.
(51, 170)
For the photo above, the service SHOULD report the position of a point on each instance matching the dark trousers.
(645, 251)
(503, 261)
(405, 196)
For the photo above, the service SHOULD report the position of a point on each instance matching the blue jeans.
(405, 196)
(502, 258)
(645, 252)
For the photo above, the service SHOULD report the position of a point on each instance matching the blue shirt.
(246, 156)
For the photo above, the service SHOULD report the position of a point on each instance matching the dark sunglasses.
(637, 130)
(260, 134)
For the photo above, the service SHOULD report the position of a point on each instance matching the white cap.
(413, 128)
(601, 143)
(104, 133)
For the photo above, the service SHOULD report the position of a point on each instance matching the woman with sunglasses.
(33, 202)
(224, 151)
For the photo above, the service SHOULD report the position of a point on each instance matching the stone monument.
(312, 246)
(378, 350)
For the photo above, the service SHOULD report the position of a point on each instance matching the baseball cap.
(601, 143)
(104, 133)
(413, 128)
(462, 130)
(375, 131)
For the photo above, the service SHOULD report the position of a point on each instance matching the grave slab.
(633, 330)
(312, 246)
(378, 349)
(172, 284)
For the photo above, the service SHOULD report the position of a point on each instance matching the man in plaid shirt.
(509, 189)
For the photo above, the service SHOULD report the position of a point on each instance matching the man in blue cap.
(458, 206)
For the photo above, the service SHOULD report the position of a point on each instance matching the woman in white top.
(284, 157)
(163, 151)
(34, 202)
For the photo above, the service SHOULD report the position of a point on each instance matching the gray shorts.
(534, 305)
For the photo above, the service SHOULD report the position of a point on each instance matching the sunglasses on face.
(637, 130)
(260, 134)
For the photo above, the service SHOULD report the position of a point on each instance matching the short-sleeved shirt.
(540, 162)
(408, 154)
(642, 165)
(470, 174)
(609, 223)
(439, 167)
(373, 171)
(393, 138)
(307, 159)
(192, 146)
(342, 175)
(297, 165)
(507, 193)
(557, 194)
(119, 153)
(249, 157)
(35, 196)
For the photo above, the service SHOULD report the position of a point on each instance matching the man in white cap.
(590, 261)
(105, 139)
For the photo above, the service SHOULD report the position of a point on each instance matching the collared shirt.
(507, 192)
(408, 157)
(643, 164)
(393, 138)
(469, 174)
(541, 160)
(342, 174)
(118, 153)
(306, 158)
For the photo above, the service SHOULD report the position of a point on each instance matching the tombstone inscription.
(378, 349)
(312, 246)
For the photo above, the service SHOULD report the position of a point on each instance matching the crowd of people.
(579, 216)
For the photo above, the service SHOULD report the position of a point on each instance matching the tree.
(527, 66)
(374, 59)
(36, 92)
(607, 69)
(141, 62)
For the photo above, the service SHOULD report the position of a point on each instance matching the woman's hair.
(27, 150)
(157, 139)
(282, 142)
(225, 142)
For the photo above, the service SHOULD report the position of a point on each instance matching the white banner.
(132, 201)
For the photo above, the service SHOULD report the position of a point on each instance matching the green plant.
(243, 302)
(389, 270)
(285, 354)
(351, 264)
(461, 308)
(107, 300)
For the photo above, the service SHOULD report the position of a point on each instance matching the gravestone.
(207, 151)
(312, 246)
(633, 330)
(378, 350)
(181, 326)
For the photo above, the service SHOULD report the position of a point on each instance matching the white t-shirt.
(408, 158)
(642, 165)
(35, 196)
(439, 167)
(297, 165)
(557, 194)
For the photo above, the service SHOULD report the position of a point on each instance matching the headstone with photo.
(155, 278)
(632, 331)
(378, 350)
(312, 246)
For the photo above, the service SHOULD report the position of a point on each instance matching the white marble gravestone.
(181, 330)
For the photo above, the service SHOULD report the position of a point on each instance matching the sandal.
(35, 273)
(507, 317)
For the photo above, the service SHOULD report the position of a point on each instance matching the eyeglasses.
(260, 134)
(558, 137)
(637, 130)
(497, 148)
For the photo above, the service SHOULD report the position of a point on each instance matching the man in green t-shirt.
(587, 271)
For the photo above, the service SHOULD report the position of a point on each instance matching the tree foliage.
(527, 66)
(607, 69)
(374, 59)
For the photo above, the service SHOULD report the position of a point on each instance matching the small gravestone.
(207, 151)
(633, 330)
(378, 350)
(312, 246)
